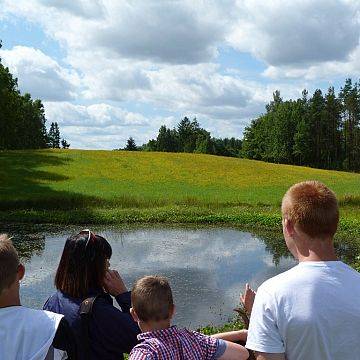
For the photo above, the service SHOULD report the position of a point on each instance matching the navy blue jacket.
(112, 332)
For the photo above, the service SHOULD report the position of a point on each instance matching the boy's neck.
(154, 325)
(318, 250)
(9, 297)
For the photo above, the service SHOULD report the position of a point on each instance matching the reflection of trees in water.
(274, 244)
(27, 241)
(347, 248)
(29, 245)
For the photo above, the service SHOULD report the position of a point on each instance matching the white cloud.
(39, 74)
(326, 70)
(108, 78)
(201, 90)
(198, 89)
(297, 32)
(157, 30)
(82, 8)
(96, 115)
(300, 39)
(100, 125)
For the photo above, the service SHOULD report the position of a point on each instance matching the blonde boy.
(27, 333)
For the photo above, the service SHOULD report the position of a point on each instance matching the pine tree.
(349, 96)
(316, 122)
(51, 136)
(332, 135)
(131, 145)
(302, 136)
(56, 136)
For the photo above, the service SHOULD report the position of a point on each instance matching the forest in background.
(189, 137)
(22, 119)
(320, 131)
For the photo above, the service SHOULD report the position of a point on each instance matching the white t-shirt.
(311, 311)
(26, 334)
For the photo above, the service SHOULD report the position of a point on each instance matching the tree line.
(320, 131)
(22, 119)
(189, 137)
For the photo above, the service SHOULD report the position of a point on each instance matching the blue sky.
(109, 69)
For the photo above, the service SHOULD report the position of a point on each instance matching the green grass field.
(80, 186)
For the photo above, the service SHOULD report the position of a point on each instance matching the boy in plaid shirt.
(153, 308)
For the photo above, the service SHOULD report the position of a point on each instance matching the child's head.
(83, 264)
(313, 208)
(10, 268)
(152, 300)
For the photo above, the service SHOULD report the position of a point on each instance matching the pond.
(207, 267)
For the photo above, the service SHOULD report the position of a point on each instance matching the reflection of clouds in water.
(207, 267)
(42, 266)
(190, 248)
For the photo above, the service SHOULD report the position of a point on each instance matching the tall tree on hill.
(332, 135)
(57, 136)
(276, 101)
(255, 139)
(167, 140)
(188, 132)
(131, 145)
(302, 138)
(51, 136)
(204, 143)
(54, 136)
(349, 96)
(288, 114)
(317, 121)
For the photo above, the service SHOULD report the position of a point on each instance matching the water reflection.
(207, 267)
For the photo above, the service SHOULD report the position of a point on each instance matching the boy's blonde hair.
(9, 262)
(151, 298)
(313, 207)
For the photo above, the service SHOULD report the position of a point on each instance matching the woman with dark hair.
(84, 284)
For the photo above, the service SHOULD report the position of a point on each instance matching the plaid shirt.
(174, 344)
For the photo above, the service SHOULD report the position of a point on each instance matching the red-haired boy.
(311, 311)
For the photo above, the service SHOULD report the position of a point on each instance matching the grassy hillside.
(116, 186)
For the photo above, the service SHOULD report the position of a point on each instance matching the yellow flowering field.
(59, 179)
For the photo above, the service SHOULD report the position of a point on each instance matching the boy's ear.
(289, 227)
(134, 315)
(20, 272)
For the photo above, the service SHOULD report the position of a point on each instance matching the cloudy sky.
(110, 69)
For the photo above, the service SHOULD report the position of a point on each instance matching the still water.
(207, 267)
